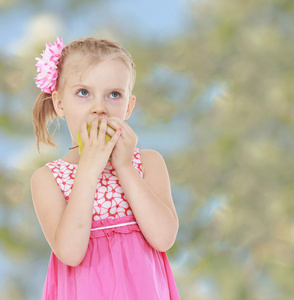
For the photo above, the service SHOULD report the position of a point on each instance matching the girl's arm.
(67, 227)
(151, 200)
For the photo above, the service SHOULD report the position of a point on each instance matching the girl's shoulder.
(150, 154)
(42, 182)
(151, 160)
(40, 175)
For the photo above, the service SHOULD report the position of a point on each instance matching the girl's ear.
(131, 106)
(57, 103)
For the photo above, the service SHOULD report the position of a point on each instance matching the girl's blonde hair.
(44, 112)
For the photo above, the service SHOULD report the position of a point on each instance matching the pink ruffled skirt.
(119, 265)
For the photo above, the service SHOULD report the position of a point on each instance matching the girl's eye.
(83, 93)
(114, 95)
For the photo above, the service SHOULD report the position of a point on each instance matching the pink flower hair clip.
(47, 66)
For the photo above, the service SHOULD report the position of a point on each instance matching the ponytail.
(44, 114)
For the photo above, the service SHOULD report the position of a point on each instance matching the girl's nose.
(98, 107)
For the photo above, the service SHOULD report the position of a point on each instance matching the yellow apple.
(80, 143)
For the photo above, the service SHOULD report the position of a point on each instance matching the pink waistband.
(113, 226)
(108, 226)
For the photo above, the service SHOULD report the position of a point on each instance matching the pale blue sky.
(159, 20)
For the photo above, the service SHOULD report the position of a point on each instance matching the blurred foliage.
(229, 79)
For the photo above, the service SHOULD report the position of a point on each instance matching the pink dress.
(119, 263)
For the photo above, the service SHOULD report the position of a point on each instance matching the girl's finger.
(110, 131)
(102, 128)
(94, 128)
(116, 123)
(115, 138)
(84, 131)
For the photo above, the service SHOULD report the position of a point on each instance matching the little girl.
(107, 211)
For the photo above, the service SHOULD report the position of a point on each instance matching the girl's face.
(101, 89)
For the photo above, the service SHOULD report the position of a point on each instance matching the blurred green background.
(214, 95)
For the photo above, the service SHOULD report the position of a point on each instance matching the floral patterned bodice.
(110, 201)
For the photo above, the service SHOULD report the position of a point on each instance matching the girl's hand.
(124, 149)
(96, 151)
